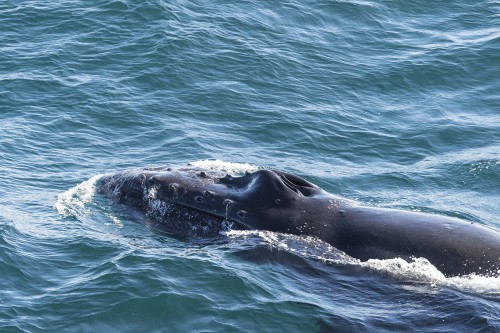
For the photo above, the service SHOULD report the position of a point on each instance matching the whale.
(194, 202)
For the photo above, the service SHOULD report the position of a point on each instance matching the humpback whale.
(193, 202)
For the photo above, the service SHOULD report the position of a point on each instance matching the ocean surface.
(392, 103)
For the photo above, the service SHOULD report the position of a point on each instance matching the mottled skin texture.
(195, 202)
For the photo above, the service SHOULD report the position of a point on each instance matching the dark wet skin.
(195, 202)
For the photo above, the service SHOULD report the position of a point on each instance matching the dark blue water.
(393, 103)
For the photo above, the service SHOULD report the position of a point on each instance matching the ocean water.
(392, 103)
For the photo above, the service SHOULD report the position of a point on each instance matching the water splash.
(73, 201)
(229, 167)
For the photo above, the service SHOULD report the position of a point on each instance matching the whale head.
(193, 201)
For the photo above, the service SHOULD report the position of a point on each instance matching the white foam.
(421, 270)
(418, 268)
(476, 283)
(114, 221)
(72, 202)
(229, 167)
